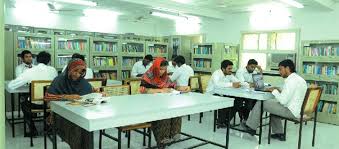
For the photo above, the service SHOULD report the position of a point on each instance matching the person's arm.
(51, 97)
(89, 74)
(260, 69)
(18, 71)
(134, 71)
(175, 76)
(285, 95)
(21, 80)
(63, 69)
(219, 82)
(240, 76)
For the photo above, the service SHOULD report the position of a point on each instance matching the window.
(259, 57)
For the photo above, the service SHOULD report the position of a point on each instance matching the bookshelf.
(35, 43)
(66, 45)
(104, 55)
(230, 52)
(319, 64)
(157, 49)
(182, 45)
(131, 52)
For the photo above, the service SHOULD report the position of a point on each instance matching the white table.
(248, 94)
(133, 109)
(20, 90)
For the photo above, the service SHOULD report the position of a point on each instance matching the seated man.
(89, 71)
(223, 78)
(140, 67)
(172, 66)
(244, 75)
(183, 73)
(287, 102)
(26, 58)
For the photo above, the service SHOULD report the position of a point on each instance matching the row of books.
(129, 61)
(63, 60)
(321, 51)
(79, 45)
(106, 75)
(157, 49)
(329, 70)
(135, 47)
(34, 43)
(126, 74)
(202, 63)
(106, 47)
(230, 51)
(203, 50)
(328, 88)
(105, 61)
(327, 107)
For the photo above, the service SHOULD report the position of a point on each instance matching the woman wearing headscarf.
(156, 80)
(70, 85)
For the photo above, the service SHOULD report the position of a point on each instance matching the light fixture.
(293, 3)
(79, 2)
(176, 17)
(183, 1)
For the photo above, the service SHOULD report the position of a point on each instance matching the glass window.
(285, 41)
(250, 42)
(259, 57)
(263, 42)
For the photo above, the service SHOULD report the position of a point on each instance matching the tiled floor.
(326, 138)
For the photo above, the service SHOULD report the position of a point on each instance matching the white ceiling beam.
(194, 10)
(329, 4)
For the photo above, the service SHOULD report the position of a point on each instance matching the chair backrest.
(204, 82)
(134, 84)
(37, 89)
(117, 90)
(311, 100)
(194, 83)
(97, 83)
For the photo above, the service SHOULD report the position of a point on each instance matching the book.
(157, 49)
(27, 42)
(105, 61)
(77, 44)
(133, 47)
(130, 61)
(106, 47)
(202, 63)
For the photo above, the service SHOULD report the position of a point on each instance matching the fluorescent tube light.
(293, 3)
(183, 1)
(168, 16)
(79, 2)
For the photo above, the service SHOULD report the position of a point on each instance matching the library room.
(169, 74)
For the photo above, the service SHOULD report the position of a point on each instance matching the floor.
(326, 137)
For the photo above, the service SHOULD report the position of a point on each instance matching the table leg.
(228, 128)
(12, 111)
(19, 104)
(260, 127)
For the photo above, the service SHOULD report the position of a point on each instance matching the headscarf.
(152, 75)
(63, 84)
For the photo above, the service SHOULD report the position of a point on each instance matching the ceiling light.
(79, 2)
(293, 3)
(168, 16)
(183, 1)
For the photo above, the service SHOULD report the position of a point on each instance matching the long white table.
(133, 109)
(248, 94)
(20, 90)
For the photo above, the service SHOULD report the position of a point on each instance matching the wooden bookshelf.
(131, 52)
(35, 43)
(319, 64)
(104, 57)
(157, 49)
(66, 45)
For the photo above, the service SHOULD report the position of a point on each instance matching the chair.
(97, 83)
(118, 91)
(36, 96)
(307, 113)
(134, 83)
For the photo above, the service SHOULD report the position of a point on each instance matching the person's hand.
(271, 89)
(236, 84)
(72, 97)
(103, 94)
(184, 89)
(96, 90)
(259, 68)
(252, 85)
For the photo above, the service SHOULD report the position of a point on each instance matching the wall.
(2, 77)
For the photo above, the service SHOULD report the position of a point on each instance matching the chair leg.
(149, 137)
(144, 135)
(215, 120)
(314, 128)
(269, 130)
(119, 139)
(285, 129)
(31, 130)
(129, 139)
(45, 132)
(25, 127)
(100, 139)
(189, 117)
(300, 132)
(201, 115)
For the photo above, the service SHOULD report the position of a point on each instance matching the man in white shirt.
(220, 79)
(287, 102)
(26, 58)
(183, 73)
(172, 65)
(40, 72)
(244, 75)
(140, 67)
(89, 71)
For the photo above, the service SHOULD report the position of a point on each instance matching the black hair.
(164, 63)
(79, 56)
(174, 56)
(149, 57)
(252, 61)
(226, 63)
(288, 63)
(43, 57)
(24, 52)
(179, 60)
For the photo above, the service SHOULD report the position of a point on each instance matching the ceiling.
(215, 9)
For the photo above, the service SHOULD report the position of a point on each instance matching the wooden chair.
(134, 84)
(118, 91)
(97, 83)
(36, 96)
(204, 79)
(307, 113)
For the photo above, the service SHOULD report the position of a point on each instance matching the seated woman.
(70, 85)
(156, 80)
